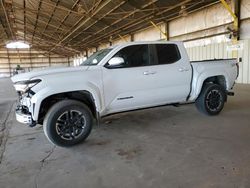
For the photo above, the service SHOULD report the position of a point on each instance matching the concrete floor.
(173, 147)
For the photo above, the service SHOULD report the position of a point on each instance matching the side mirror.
(116, 61)
(94, 61)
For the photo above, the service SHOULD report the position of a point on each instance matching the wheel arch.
(83, 96)
(219, 79)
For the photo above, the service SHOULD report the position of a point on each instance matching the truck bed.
(214, 60)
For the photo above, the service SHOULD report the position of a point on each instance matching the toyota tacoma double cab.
(137, 75)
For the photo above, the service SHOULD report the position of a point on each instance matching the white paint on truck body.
(122, 89)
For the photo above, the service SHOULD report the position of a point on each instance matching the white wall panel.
(245, 28)
(219, 51)
(122, 40)
(204, 19)
(150, 34)
(28, 60)
(245, 9)
(245, 66)
(103, 46)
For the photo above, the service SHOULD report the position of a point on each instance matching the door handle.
(182, 69)
(149, 72)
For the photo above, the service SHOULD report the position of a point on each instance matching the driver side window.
(134, 56)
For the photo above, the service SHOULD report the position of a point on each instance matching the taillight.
(237, 64)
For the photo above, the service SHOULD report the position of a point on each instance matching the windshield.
(95, 58)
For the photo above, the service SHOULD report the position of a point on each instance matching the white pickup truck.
(121, 78)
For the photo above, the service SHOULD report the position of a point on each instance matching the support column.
(49, 60)
(132, 37)
(237, 11)
(236, 18)
(167, 30)
(30, 59)
(9, 61)
(68, 62)
(162, 32)
(87, 53)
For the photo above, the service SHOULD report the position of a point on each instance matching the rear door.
(171, 74)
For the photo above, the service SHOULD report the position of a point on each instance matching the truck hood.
(46, 71)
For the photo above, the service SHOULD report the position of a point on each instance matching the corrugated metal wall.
(220, 51)
(28, 60)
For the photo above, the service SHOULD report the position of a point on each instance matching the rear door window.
(166, 53)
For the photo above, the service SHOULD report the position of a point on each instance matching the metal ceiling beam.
(235, 31)
(118, 20)
(131, 24)
(39, 40)
(81, 24)
(95, 20)
(39, 34)
(91, 21)
(77, 22)
(52, 14)
(160, 30)
(4, 28)
(7, 20)
(50, 3)
(134, 4)
(24, 18)
(65, 17)
(31, 27)
(190, 11)
(33, 12)
(229, 9)
(156, 16)
(37, 16)
(40, 21)
(237, 10)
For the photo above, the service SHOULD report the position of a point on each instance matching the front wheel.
(67, 123)
(211, 99)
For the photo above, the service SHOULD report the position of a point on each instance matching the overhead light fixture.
(17, 44)
(183, 11)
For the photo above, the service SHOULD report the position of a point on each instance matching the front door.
(127, 87)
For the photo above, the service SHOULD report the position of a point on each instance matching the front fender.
(48, 91)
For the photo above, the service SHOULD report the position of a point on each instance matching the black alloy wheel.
(68, 122)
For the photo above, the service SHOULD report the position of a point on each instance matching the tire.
(67, 123)
(211, 99)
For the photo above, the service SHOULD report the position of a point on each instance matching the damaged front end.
(25, 108)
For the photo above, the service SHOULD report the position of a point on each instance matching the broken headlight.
(24, 86)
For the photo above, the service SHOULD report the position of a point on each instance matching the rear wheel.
(67, 123)
(211, 99)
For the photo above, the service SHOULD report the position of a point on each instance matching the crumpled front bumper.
(23, 115)
(23, 118)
